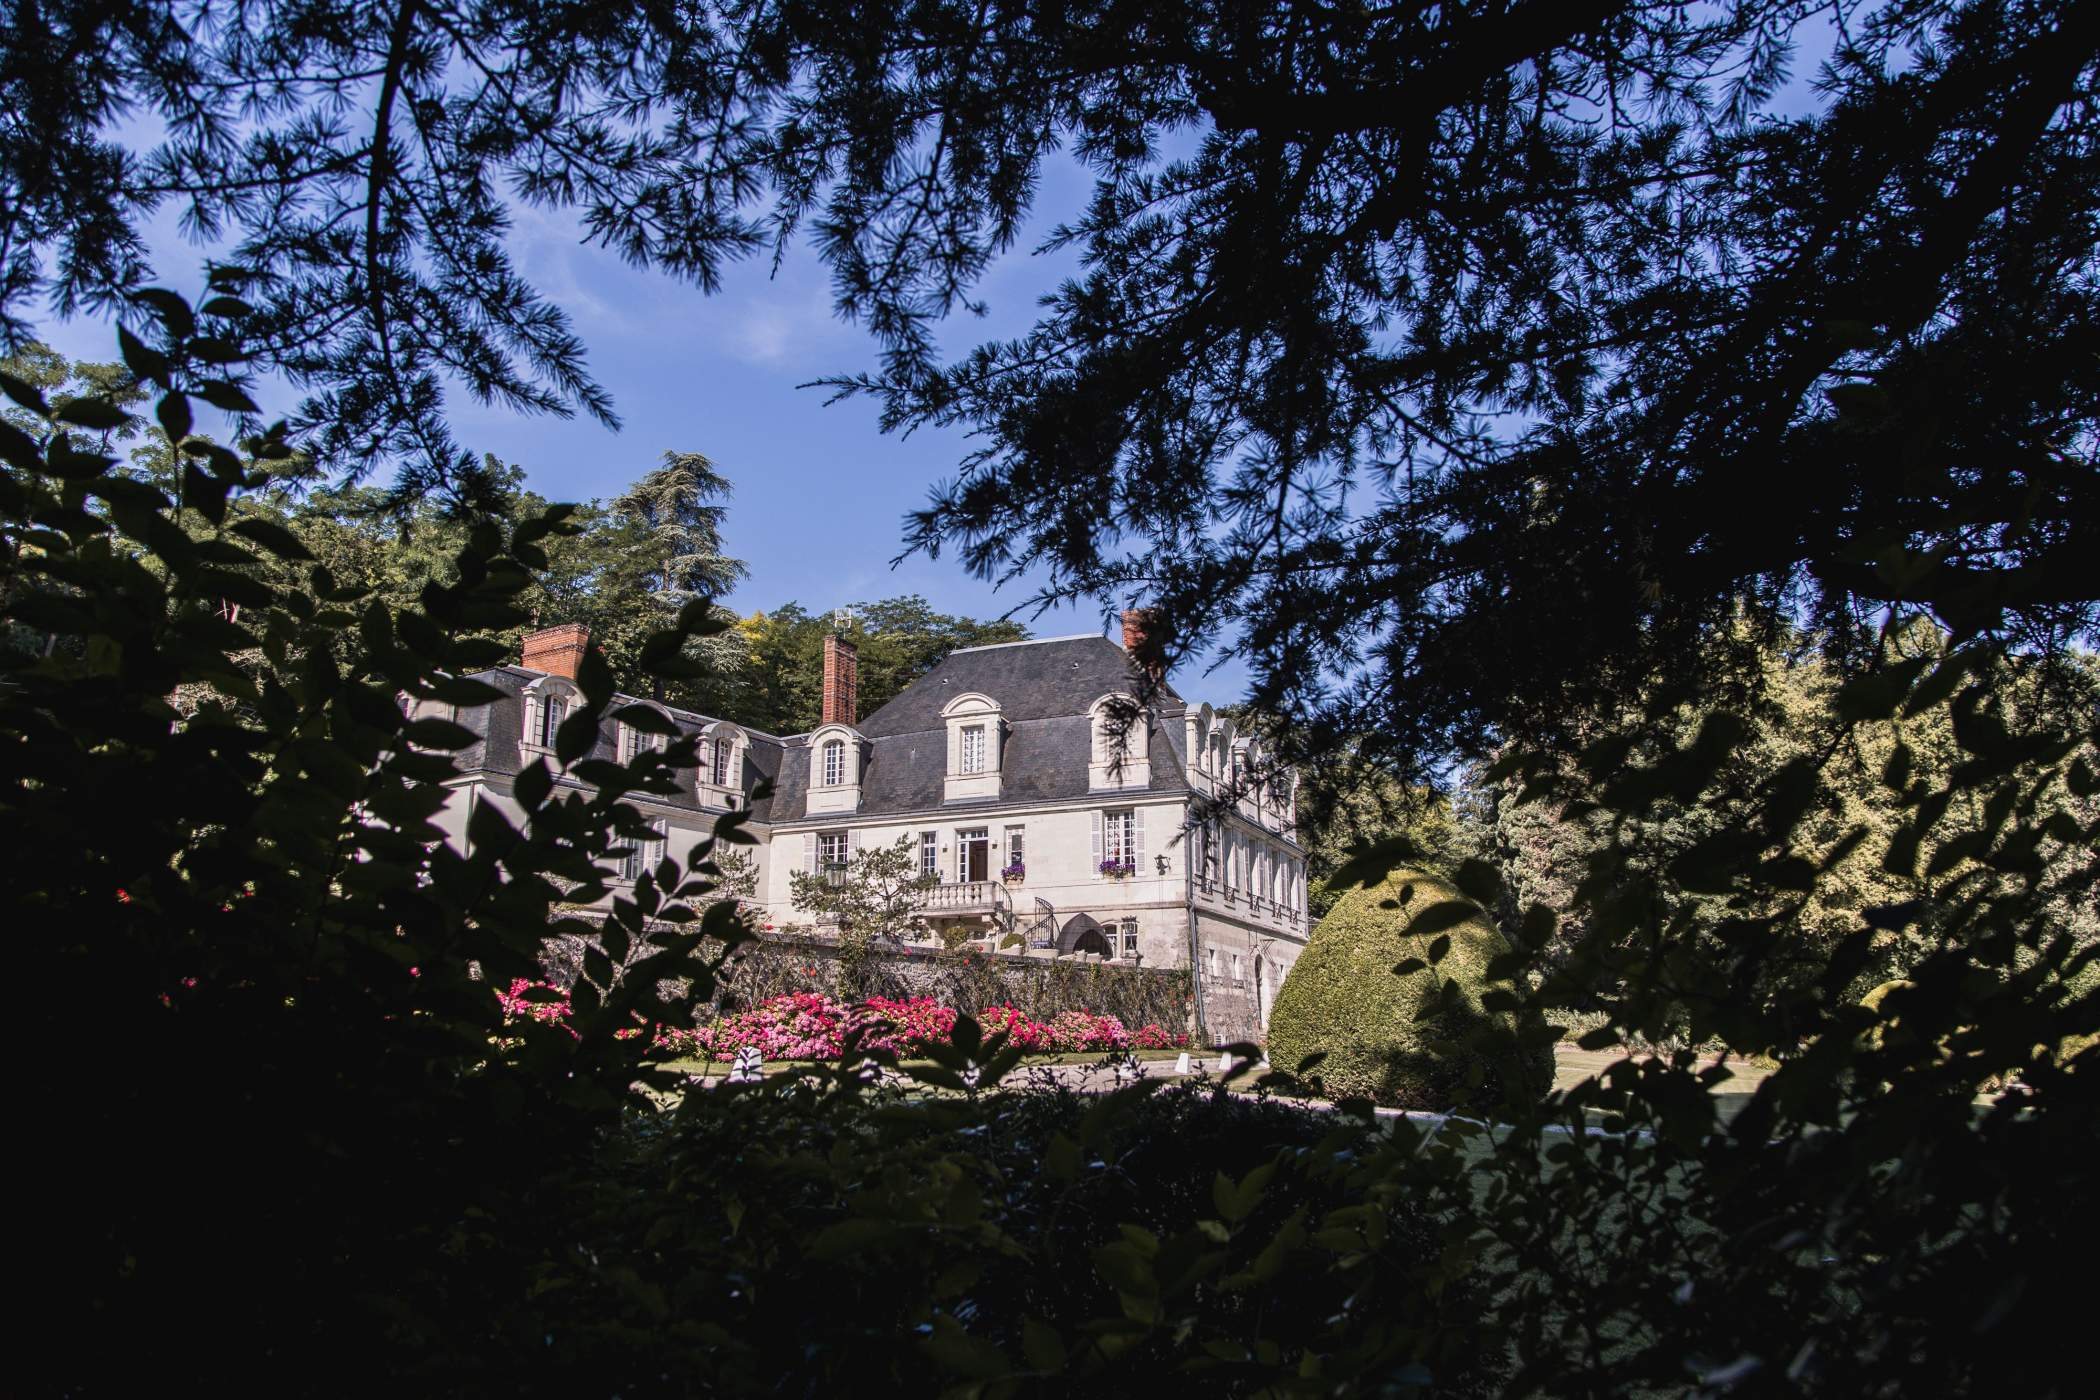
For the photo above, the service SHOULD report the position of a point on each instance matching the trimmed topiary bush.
(1418, 1037)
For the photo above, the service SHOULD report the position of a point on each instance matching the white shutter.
(1097, 845)
(809, 852)
(852, 844)
(1137, 840)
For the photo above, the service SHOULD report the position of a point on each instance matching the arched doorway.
(1084, 934)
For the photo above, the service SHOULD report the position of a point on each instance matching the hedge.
(1385, 1003)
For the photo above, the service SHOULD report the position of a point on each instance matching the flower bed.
(809, 1026)
(812, 1026)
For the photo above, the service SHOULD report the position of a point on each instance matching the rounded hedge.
(1418, 1037)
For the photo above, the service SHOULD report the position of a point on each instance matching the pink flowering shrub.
(904, 1026)
(798, 1026)
(812, 1026)
(519, 1004)
(1032, 1036)
(1083, 1030)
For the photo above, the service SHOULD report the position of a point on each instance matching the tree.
(1853, 786)
(1347, 806)
(899, 640)
(1499, 349)
(677, 512)
(873, 899)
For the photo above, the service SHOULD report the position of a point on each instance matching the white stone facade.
(1016, 774)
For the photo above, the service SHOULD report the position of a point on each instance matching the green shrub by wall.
(1418, 1038)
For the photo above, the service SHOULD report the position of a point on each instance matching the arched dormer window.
(547, 702)
(721, 764)
(633, 740)
(1121, 744)
(977, 732)
(837, 756)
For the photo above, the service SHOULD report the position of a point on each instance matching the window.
(973, 748)
(1119, 838)
(1016, 850)
(724, 756)
(634, 742)
(930, 853)
(1238, 978)
(644, 855)
(552, 708)
(1210, 963)
(1128, 939)
(835, 763)
(833, 850)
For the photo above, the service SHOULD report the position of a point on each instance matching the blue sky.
(821, 494)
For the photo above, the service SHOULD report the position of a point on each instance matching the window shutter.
(809, 852)
(852, 844)
(1137, 840)
(1097, 845)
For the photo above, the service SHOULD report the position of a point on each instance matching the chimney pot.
(841, 681)
(557, 651)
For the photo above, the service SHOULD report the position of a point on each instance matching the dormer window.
(838, 759)
(723, 754)
(548, 701)
(1121, 744)
(977, 735)
(634, 741)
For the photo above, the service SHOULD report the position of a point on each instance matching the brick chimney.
(841, 681)
(1145, 642)
(558, 651)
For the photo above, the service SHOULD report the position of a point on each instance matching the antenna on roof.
(841, 619)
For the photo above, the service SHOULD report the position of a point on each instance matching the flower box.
(1116, 869)
(1014, 874)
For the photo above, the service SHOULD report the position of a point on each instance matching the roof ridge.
(1033, 642)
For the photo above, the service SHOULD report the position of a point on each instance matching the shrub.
(1165, 1241)
(1394, 1000)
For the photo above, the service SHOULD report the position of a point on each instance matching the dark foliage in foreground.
(1182, 1242)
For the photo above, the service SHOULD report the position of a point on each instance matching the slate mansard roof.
(1045, 690)
(496, 751)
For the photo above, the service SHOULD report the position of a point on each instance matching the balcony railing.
(968, 897)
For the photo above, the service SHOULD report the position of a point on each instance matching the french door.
(973, 854)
